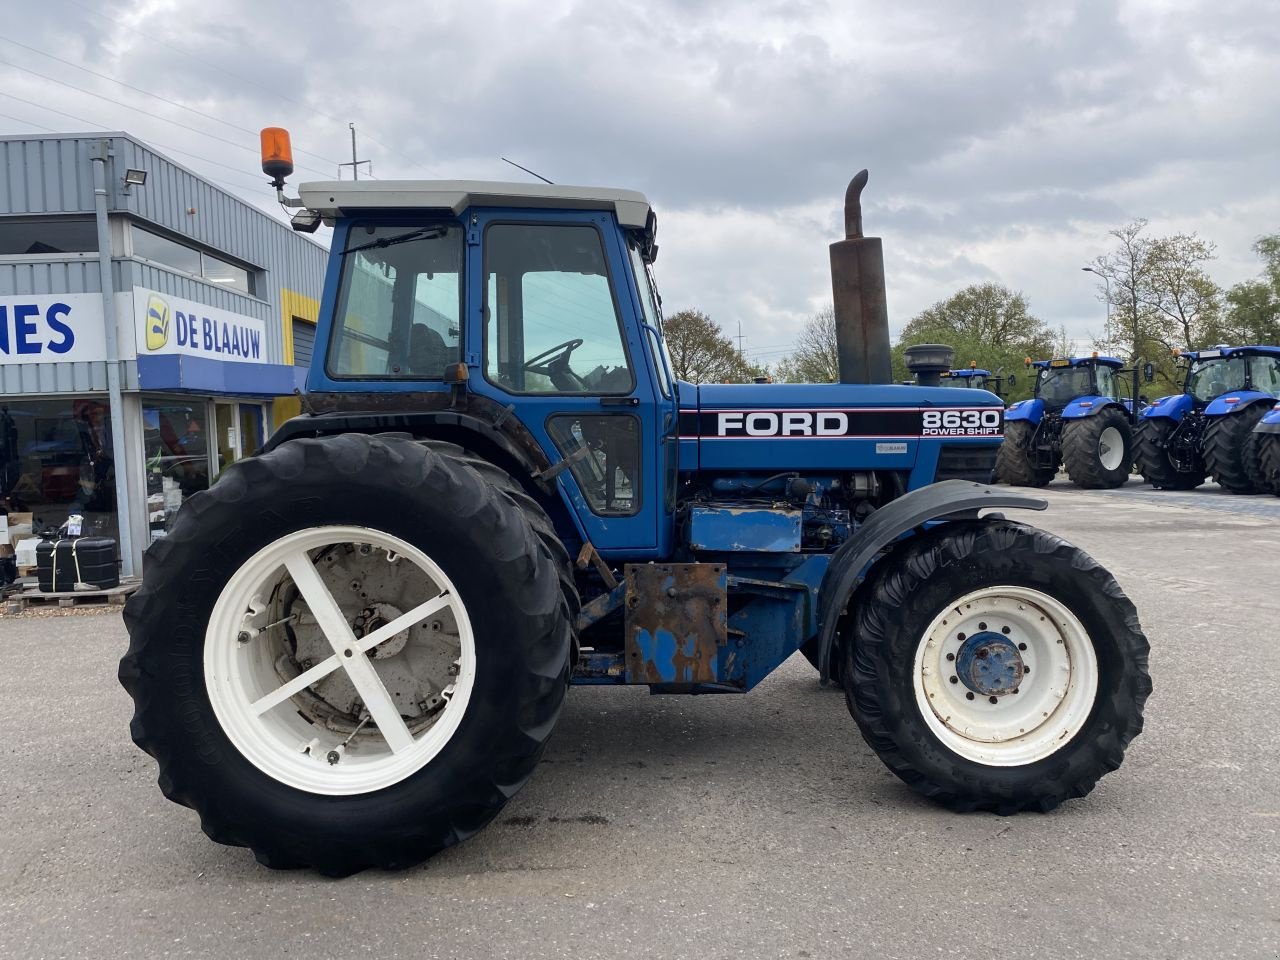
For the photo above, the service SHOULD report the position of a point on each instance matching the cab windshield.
(1058, 386)
(975, 382)
(1208, 379)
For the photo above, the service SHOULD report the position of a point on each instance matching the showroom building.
(153, 329)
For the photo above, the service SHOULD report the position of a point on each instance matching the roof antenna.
(526, 170)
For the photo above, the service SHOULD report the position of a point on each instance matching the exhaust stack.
(857, 287)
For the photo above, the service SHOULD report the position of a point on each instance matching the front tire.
(1014, 464)
(971, 597)
(1225, 439)
(348, 653)
(1151, 457)
(1097, 451)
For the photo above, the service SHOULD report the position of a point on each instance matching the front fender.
(1223, 405)
(1030, 410)
(950, 499)
(1170, 408)
(1082, 407)
(1271, 422)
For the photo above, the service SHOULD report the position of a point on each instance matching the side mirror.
(1013, 380)
(1148, 371)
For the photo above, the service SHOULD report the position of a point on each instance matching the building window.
(176, 448)
(55, 460)
(179, 256)
(30, 235)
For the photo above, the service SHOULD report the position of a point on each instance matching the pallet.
(114, 596)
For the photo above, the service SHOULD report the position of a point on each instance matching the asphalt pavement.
(708, 827)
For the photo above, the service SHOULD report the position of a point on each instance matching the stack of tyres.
(61, 564)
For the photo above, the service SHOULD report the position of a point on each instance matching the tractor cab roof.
(1078, 362)
(348, 198)
(967, 372)
(1222, 350)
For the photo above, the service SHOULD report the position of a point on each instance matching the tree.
(1252, 313)
(701, 353)
(987, 324)
(815, 359)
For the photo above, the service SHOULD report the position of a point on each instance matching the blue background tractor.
(1208, 428)
(1076, 419)
(351, 650)
(1266, 448)
(975, 378)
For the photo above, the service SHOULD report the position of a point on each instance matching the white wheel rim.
(1053, 699)
(267, 703)
(1110, 448)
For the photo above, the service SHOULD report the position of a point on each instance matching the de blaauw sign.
(168, 324)
(51, 328)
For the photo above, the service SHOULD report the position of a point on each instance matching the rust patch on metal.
(676, 621)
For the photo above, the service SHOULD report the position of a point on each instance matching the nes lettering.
(786, 423)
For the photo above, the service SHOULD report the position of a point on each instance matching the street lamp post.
(1107, 281)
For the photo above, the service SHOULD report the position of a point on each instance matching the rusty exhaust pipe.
(858, 297)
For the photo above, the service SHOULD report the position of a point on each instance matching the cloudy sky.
(1004, 139)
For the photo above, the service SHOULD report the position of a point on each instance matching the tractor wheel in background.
(1225, 438)
(1268, 446)
(349, 652)
(1014, 465)
(1098, 450)
(995, 667)
(1152, 459)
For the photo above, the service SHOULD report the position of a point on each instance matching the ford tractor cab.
(975, 378)
(1208, 429)
(352, 649)
(1077, 419)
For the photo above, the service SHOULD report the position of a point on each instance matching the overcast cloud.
(1004, 139)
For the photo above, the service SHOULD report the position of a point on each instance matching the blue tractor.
(975, 378)
(1077, 419)
(1208, 429)
(352, 649)
(1265, 447)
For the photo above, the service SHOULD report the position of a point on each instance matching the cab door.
(557, 335)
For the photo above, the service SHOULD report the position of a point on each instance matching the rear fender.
(1224, 405)
(1271, 422)
(948, 500)
(1169, 408)
(1030, 410)
(1082, 407)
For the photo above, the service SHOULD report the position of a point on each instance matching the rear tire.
(385, 802)
(1225, 438)
(1013, 462)
(1097, 451)
(1152, 459)
(1034, 600)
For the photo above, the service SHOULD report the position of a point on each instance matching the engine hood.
(833, 426)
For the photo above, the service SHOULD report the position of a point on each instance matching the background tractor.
(975, 378)
(1208, 429)
(352, 649)
(1076, 419)
(1266, 448)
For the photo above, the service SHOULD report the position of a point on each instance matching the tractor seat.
(428, 353)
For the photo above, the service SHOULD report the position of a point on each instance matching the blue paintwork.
(1224, 351)
(1271, 422)
(1080, 362)
(734, 529)
(181, 373)
(774, 623)
(1082, 407)
(968, 372)
(1222, 406)
(1170, 408)
(1030, 410)
(989, 664)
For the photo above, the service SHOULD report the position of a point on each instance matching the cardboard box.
(26, 551)
(18, 527)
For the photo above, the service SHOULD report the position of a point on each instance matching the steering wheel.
(554, 363)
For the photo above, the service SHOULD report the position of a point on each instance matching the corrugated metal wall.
(53, 175)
